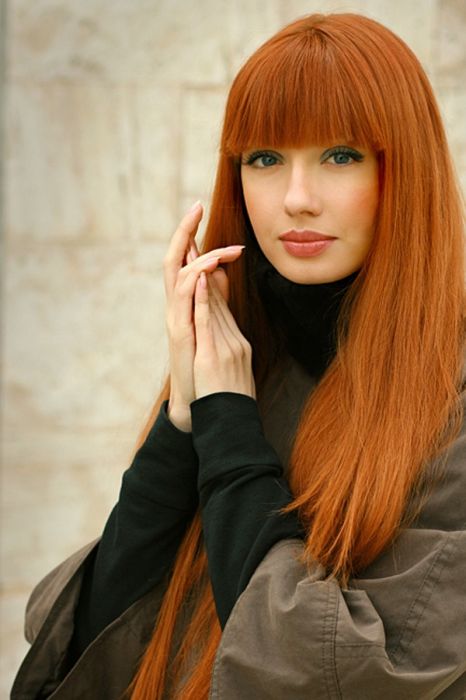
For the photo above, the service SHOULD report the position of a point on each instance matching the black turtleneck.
(303, 316)
(226, 465)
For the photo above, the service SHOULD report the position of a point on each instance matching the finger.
(229, 341)
(226, 344)
(220, 278)
(220, 307)
(227, 253)
(192, 253)
(194, 250)
(176, 253)
(181, 297)
(211, 331)
(226, 336)
(181, 306)
(202, 317)
(224, 255)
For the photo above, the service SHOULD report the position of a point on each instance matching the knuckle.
(236, 349)
(181, 274)
(183, 289)
(229, 355)
(179, 337)
(178, 290)
(247, 349)
(238, 345)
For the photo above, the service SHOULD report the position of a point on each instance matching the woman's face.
(312, 209)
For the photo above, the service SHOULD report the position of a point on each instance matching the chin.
(309, 273)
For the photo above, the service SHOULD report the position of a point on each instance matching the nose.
(302, 194)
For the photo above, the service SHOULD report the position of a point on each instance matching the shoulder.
(47, 592)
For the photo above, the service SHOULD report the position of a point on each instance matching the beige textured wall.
(111, 127)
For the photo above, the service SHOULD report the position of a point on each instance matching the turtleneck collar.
(303, 315)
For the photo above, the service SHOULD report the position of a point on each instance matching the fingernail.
(235, 247)
(195, 206)
(203, 280)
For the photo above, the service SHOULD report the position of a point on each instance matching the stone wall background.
(111, 116)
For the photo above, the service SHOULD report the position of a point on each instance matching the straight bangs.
(303, 91)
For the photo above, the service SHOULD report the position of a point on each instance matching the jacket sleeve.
(158, 498)
(49, 627)
(398, 631)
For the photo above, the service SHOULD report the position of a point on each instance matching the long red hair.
(388, 404)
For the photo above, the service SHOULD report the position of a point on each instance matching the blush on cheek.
(364, 203)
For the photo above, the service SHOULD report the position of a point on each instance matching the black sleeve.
(241, 490)
(158, 498)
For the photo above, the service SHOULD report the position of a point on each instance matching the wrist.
(180, 416)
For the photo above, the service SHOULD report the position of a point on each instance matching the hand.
(182, 267)
(223, 357)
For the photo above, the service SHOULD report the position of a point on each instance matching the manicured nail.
(195, 206)
(203, 280)
(235, 247)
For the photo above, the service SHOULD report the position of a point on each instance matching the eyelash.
(355, 155)
(252, 157)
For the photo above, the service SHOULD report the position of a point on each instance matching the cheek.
(249, 200)
(361, 204)
(260, 205)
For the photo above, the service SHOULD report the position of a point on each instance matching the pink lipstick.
(304, 243)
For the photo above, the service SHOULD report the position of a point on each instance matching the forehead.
(284, 102)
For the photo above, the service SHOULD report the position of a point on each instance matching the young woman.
(293, 523)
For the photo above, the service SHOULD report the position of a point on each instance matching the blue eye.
(342, 155)
(261, 159)
(341, 158)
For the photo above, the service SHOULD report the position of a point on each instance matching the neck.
(303, 316)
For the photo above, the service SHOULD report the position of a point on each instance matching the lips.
(304, 236)
(303, 243)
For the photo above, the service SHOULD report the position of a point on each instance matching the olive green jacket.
(398, 632)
